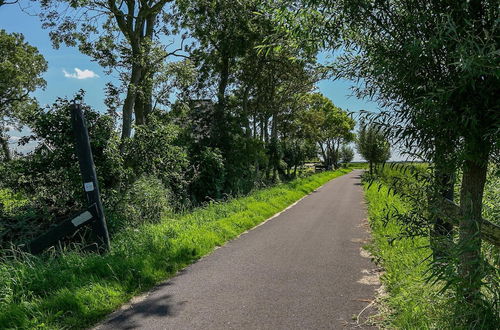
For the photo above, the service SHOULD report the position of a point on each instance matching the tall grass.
(410, 302)
(413, 299)
(75, 290)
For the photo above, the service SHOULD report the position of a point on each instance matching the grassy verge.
(410, 302)
(76, 290)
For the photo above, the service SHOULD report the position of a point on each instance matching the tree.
(21, 69)
(223, 30)
(253, 93)
(8, 2)
(372, 145)
(346, 154)
(327, 125)
(118, 35)
(433, 65)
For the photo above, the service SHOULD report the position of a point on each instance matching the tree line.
(212, 115)
(433, 67)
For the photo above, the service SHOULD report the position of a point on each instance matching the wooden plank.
(489, 231)
(62, 230)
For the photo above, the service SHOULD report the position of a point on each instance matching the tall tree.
(372, 145)
(21, 69)
(328, 125)
(120, 35)
(223, 30)
(346, 154)
(434, 65)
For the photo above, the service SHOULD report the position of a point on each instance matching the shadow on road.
(154, 306)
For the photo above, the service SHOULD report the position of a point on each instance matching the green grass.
(410, 301)
(76, 290)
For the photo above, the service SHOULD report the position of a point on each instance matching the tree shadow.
(155, 305)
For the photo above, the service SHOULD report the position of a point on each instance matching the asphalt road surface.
(303, 269)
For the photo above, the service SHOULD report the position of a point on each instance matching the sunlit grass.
(76, 290)
(411, 301)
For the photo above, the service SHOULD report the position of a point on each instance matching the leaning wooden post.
(87, 168)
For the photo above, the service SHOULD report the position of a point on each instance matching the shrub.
(208, 176)
(49, 176)
(146, 201)
(155, 151)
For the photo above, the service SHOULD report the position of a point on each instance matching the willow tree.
(373, 145)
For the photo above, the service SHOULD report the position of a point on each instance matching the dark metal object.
(90, 186)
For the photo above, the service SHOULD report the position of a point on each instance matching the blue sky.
(63, 62)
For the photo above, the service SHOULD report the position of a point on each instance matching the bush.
(49, 176)
(146, 201)
(209, 176)
(155, 151)
(135, 184)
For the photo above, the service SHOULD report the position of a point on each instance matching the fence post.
(87, 168)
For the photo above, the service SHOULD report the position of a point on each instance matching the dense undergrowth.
(413, 300)
(75, 290)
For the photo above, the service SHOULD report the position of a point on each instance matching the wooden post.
(87, 168)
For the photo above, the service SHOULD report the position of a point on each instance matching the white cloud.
(80, 74)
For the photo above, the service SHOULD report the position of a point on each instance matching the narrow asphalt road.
(303, 269)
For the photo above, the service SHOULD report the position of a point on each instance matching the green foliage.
(49, 176)
(147, 200)
(400, 222)
(50, 172)
(21, 68)
(373, 145)
(296, 151)
(326, 125)
(208, 179)
(155, 150)
(76, 290)
(410, 302)
(9, 201)
(14, 213)
(346, 154)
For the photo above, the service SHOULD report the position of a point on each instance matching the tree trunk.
(371, 168)
(139, 108)
(323, 153)
(441, 233)
(220, 115)
(471, 202)
(4, 144)
(147, 79)
(246, 116)
(143, 100)
(274, 143)
(128, 105)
